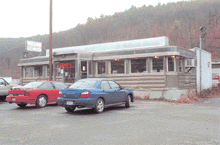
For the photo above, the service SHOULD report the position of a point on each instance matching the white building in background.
(203, 72)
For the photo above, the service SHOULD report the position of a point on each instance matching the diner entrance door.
(69, 72)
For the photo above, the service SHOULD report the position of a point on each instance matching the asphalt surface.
(145, 122)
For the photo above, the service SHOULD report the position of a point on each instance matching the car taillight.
(26, 93)
(60, 94)
(85, 94)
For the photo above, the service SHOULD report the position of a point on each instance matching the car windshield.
(84, 84)
(33, 85)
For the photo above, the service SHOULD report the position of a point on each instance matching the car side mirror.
(121, 87)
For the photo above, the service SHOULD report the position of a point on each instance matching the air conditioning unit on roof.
(190, 63)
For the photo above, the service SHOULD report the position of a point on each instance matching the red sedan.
(39, 93)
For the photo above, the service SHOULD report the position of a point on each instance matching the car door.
(4, 87)
(49, 89)
(106, 92)
(119, 94)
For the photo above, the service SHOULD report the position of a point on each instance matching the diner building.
(144, 65)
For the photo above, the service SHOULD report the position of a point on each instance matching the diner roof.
(120, 45)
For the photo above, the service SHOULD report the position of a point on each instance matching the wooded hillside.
(179, 21)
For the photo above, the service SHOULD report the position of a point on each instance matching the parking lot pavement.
(145, 122)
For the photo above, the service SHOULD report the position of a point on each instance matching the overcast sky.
(24, 18)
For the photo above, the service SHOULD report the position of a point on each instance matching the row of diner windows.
(139, 65)
(35, 71)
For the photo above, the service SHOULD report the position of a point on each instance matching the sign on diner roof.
(33, 46)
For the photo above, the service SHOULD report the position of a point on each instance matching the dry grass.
(193, 97)
(142, 98)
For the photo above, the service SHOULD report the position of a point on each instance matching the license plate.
(13, 99)
(70, 103)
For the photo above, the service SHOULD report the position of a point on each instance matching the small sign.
(65, 65)
(34, 46)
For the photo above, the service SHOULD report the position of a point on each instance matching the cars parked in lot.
(39, 93)
(96, 93)
(4, 88)
(215, 83)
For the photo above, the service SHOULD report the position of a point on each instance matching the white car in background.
(4, 88)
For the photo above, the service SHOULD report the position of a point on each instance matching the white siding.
(206, 69)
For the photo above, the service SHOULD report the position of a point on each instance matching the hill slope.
(179, 21)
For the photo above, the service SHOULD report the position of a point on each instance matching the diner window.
(117, 66)
(101, 67)
(38, 71)
(28, 72)
(138, 65)
(171, 63)
(59, 71)
(157, 64)
(67, 70)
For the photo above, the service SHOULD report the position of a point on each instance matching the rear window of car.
(84, 84)
(59, 85)
(32, 85)
(46, 85)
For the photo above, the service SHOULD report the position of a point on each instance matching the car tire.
(22, 105)
(70, 108)
(41, 101)
(128, 101)
(99, 106)
(2, 98)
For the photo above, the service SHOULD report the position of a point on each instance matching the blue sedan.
(96, 93)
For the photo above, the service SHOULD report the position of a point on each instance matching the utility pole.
(50, 57)
(200, 57)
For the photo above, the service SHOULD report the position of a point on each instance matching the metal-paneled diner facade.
(135, 64)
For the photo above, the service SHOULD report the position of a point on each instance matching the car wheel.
(22, 105)
(128, 100)
(41, 101)
(99, 106)
(3, 98)
(70, 108)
